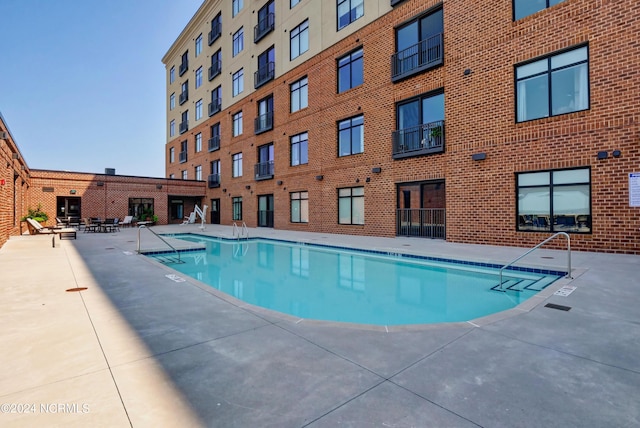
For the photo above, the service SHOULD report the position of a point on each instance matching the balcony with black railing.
(422, 56)
(418, 140)
(215, 69)
(184, 97)
(182, 157)
(264, 122)
(263, 170)
(183, 67)
(184, 126)
(423, 222)
(213, 180)
(215, 33)
(264, 74)
(214, 143)
(264, 27)
(215, 106)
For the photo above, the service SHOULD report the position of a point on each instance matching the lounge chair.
(191, 219)
(127, 222)
(36, 228)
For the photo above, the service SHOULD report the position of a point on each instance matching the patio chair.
(90, 225)
(127, 222)
(36, 228)
(191, 219)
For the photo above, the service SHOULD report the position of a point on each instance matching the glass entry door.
(265, 211)
(215, 211)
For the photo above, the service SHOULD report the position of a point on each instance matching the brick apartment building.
(482, 122)
(77, 194)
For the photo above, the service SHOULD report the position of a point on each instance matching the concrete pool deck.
(137, 348)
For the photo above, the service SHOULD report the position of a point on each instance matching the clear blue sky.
(82, 84)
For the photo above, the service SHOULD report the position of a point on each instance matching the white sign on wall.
(634, 189)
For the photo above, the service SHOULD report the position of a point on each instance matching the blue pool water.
(337, 284)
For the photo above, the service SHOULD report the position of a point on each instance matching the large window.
(554, 201)
(299, 94)
(420, 124)
(266, 67)
(237, 124)
(300, 207)
(237, 208)
(238, 82)
(553, 85)
(198, 77)
(238, 41)
(351, 205)
(198, 172)
(419, 45)
(198, 142)
(236, 162)
(349, 11)
(522, 8)
(140, 207)
(216, 64)
(199, 109)
(264, 121)
(350, 71)
(351, 136)
(299, 41)
(300, 149)
(199, 45)
(237, 7)
(216, 101)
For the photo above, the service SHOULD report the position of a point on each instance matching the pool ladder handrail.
(565, 234)
(161, 238)
(244, 232)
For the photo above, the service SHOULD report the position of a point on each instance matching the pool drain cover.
(70, 290)
(559, 307)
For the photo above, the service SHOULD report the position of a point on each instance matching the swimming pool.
(366, 287)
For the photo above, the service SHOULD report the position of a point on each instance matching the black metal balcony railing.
(264, 74)
(425, 222)
(215, 33)
(184, 97)
(264, 27)
(424, 55)
(214, 143)
(182, 157)
(215, 69)
(215, 106)
(213, 180)
(183, 67)
(264, 122)
(263, 170)
(418, 140)
(184, 126)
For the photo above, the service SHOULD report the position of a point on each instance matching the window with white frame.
(172, 128)
(351, 136)
(184, 174)
(199, 45)
(198, 77)
(238, 82)
(236, 165)
(349, 11)
(237, 6)
(299, 207)
(299, 94)
(238, 41)
(198, 172)
(199, 142)
(522, 8)
(237, 124)
(172, 154)
(199, 109)
(554, 85)
(351, 205)
(554, 200)
(300, 149)
(299, 40)
(172, 101)
(172, 74)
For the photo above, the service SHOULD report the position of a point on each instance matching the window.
(266, 21)
(172, 74)
(198, 77)
(237, 7)
(266, 67)
(554, 201)
(199, 109)
(350, 71)
(351, 205)
(172, 176)
(184, 174)
(172, 155)
(183, 151)
(236, 170)
(299, 95)
(554, 85)
(184, 95)
(184, 63)
(198, 45)
(293, 3)
(300, 207)
(351, 136)
(264, 167)
(214, 176)
(299, 42)
(216, 28)
(237, 124)
(300, 149)
(172, 101)
(349, 11)
(419, 46)
(184, 125)
(420, 124)
(214, 141)
(238, 82)
(172, 128)
(238, 41)
(216, 64)
(264, 121)
(237, 208)
(522, 8)
(198, 142)
(216, 101)
(198, 172)
(138, 207)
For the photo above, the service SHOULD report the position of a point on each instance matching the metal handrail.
(540, 245)
(241, 232)
(161, 238)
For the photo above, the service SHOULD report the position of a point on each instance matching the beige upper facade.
(321, 17)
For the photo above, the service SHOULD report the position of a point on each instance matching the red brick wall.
(479, 117)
